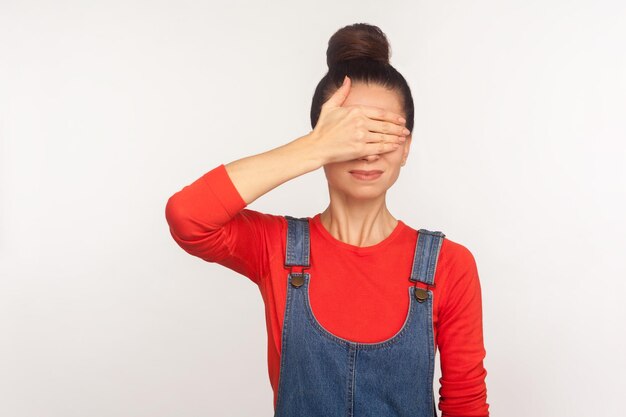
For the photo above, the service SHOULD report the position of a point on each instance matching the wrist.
(311, 149)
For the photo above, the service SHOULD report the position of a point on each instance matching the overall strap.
(426, 255)
(298, 242)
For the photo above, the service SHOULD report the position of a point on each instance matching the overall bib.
(323, 375)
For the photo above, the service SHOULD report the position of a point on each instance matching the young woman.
(356, 301)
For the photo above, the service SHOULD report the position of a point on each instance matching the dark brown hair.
(360, 51)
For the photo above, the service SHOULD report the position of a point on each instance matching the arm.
(463, 390)
(208, 218)
(256, 175)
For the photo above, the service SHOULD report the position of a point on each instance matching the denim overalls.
(323, 375)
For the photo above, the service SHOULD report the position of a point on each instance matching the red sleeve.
(463, 391)
(207, 219)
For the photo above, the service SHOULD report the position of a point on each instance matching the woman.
(356, 301)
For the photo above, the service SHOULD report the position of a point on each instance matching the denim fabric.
(323, 375)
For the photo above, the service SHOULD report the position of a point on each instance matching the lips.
(361, 172)
(364, 175)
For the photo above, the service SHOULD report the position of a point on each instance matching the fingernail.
(402, 120)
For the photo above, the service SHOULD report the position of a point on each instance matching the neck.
(365, 223)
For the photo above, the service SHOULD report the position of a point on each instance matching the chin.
(365, 192)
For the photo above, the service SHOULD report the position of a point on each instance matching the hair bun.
(357, 41)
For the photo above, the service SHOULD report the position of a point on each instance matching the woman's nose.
(370, 157)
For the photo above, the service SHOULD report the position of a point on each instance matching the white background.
(108, 108)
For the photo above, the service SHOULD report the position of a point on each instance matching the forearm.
(256, 175)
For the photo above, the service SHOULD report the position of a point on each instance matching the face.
(340, 180)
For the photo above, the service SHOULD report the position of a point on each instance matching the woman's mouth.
(365, 175)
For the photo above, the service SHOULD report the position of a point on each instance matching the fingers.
(375, 137)
(376, 113)
(383, 125)
(339, 96)
(386, 128)
(380, 147)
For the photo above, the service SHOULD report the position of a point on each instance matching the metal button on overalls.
(323, 375)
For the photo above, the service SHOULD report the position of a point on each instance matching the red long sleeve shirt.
(360, 293)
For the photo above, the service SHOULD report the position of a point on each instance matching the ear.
(407, 146)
